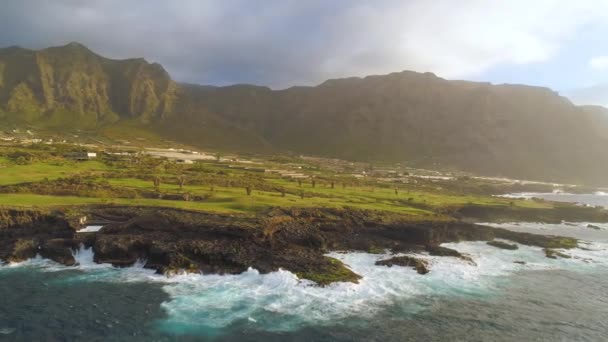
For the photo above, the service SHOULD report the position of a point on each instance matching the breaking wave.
(279, 301)
(595, 199)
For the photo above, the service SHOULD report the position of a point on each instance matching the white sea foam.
(203, 301)
(598, 198)
(530, 195)
(90, 229)
(281, 301)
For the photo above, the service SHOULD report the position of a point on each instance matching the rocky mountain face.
(421, 119)
(72, 86)
(508, 130)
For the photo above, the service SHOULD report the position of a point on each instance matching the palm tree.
(156, 182)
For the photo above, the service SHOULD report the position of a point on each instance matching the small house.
(81, 156)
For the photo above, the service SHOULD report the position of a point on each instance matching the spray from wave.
(279, 301)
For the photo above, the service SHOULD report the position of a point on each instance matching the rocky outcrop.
(553, 254)
(27, 233)
(593, 226)
(436, 250)
(503, 245)
(421, 266)
(558, 213)
(171, 240)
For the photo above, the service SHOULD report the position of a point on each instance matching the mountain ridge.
(508, 130)
(57, 85)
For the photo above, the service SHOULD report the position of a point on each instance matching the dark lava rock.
(562, 212)
(59, 250)
(442, 251)
(502, 245)
(592, 226)
(173, 240)
(553, 254)
(25, 233)
(421, 266)
(448, 252)
(332, 270)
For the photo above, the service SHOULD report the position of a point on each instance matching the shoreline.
(172, 240)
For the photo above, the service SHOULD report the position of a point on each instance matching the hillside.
(507, 130)
(70, 86)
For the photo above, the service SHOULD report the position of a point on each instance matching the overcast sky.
(556, 43)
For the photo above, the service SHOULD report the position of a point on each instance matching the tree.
(21, 160)
(78, 181)
(156, 182)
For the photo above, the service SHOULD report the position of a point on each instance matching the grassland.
(38, 171)
(212, 186)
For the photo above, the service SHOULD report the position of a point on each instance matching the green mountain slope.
(70, 86)
(508, 130)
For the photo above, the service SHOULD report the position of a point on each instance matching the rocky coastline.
(172, 240)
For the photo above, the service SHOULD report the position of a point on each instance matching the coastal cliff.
(171, 241)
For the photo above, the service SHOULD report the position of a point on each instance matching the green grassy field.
(15, 174)
(266, 191)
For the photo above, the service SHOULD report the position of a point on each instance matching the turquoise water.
(496, 299)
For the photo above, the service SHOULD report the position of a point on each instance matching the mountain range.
(416, 118)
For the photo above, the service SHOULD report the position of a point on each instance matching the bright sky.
(556, 43)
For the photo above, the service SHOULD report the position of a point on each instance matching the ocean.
(495, 299)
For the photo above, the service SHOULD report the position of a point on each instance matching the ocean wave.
(202, 302)
(530, 195)
(279, 301)
(598, 198)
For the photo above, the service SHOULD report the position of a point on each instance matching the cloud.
(287, 42)
(599, 63)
